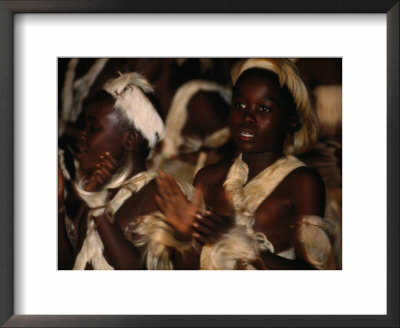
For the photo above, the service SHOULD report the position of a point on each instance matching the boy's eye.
(239, 105)
(265, 108)
(93, 127)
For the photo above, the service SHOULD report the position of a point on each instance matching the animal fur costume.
(175, 121)
(241, 246)
(129, 91)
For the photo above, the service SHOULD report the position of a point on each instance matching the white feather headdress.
(130, 91)
(288, 75)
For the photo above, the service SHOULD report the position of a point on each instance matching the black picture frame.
(7, 11)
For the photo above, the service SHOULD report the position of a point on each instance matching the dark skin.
(104, 147)
(65, 256)
(260, 118)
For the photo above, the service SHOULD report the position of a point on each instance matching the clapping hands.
(103, 173)
(186, 216)
(178, 210)
(208, 226)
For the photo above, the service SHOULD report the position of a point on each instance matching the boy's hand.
(208, 227)
(178, 210)
(103, 173)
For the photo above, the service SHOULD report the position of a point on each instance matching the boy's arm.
(308, 198)
(65, 251)
(119, 252)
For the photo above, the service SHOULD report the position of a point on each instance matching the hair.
(102, 97)
(288, 77)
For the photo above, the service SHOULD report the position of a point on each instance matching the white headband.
(129, 91)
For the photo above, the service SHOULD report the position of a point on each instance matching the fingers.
(197, 198)
(163, 191)
(206, 221)
(105, 169)
(209, 226)
(163, 207)
(161, 203)
(99, 177)
(213, 220)
(199, 238)
(171, 183)
(108, 162)
(103, 172)
(204, 229)
(201, 229)
(111, 158)
(168, 188)
(91, 185)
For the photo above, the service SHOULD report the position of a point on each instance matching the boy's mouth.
(82, 148)
(246, 134)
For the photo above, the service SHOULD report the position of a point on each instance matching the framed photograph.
(35, 34)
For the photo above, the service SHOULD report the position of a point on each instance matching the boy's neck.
(138, 167)
(257, 162)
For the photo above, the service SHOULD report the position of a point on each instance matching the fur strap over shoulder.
(241, 244)
(247, 198)
(92, 248)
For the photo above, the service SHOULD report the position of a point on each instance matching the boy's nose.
(249, 118)
(81, 143)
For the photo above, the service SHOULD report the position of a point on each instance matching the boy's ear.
(131, 139)
(294, 124)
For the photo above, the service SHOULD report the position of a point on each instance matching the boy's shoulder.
(305, 176)
(306, 186)
(138, 203)
(213, 174)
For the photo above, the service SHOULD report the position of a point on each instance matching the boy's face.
(259, 117)
(102, 133)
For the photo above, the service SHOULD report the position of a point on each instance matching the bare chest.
(275, 217)
(138, 204)
(219, 201)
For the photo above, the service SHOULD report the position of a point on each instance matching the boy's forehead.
(260, 73)
(100, 97)
(99, 108)
(251, 80)
(259, 82)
